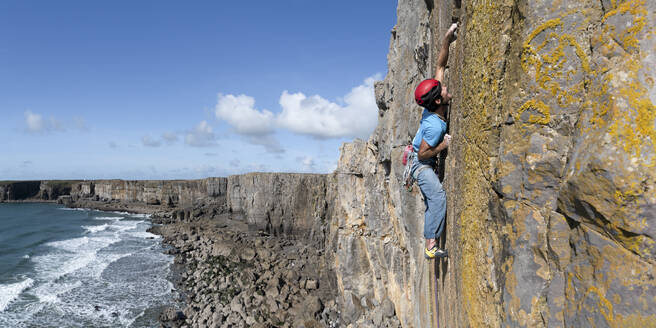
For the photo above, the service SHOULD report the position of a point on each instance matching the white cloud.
(201, 136)
(240, 112)
(37, 124)
(34, 122)
(313, 116)
(307, 163)
(170, 137)
(318, 117)
(148, 141)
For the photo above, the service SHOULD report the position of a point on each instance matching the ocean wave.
(105, 262)
(110, 218)
(54, 266)
(144, 235)
(69, 244)
(94, 229)
(106, 275)
(78, 253)
(119, 212)
(99, 313)
(126, 225)
(10, 292)
(49, 292)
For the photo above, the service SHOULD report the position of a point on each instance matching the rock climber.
(430, 140)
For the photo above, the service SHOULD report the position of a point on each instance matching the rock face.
(290, 204)
(154, 192)
(550, 177)
(19, 190)
(34, 190)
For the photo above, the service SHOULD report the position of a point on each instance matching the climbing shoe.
(434, 252)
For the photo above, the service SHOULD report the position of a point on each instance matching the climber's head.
(430, 93)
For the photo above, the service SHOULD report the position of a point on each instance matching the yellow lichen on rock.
(604, 305)
(479, 103)
(637, 130)
(635, 321)
(538, 106)
(632, 112)
(635, 8)
(549, 64)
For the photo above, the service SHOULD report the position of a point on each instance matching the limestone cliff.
(550, 177)
(34, 190)
(279, 203)
(181, 193)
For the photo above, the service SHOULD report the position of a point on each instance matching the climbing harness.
(407, 160)
(409, 156)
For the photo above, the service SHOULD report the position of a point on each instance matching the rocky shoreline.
(232, 276)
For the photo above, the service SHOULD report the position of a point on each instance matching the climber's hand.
(451, 33)
(445, 143)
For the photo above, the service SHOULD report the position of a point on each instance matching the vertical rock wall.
(281, 203)
(577, 167)
(19, 190)
(550, 177)
(377, 227)
(166, 192)
(34, 190)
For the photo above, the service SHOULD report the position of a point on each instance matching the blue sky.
(186, 89)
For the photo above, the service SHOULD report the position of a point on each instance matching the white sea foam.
(26, 256)
(54, 266)
(70, 245)
(73, 209)
(94, 229)
(144, 235)
(110, 218)
(122, 213)
(126, 225)
(49, 292)
(104, 262)
(103, 315)
(106, 276)
(10, 292)
(78, 253)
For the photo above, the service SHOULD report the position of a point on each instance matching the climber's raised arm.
(444, 52)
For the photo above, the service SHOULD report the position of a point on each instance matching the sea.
(62, 267)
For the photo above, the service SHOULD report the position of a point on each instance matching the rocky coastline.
(233, 276)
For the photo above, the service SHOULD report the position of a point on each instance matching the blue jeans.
(434, 199)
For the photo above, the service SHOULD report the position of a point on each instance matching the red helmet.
(427, 91)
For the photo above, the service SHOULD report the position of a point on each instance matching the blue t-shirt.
(432, 129)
